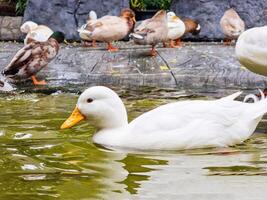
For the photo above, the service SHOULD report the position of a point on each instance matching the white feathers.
(5, 86)
(83, 32)
(92, 15)
(198, 27)
(176, 27)
(251, 50)
(40, 33)
(136, 36)
(28, 26)
(178, 125)
(254, 97)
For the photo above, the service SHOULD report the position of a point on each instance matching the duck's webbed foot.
(178, 43)
(153, 51)
(36, 82)
(172, 44)
(111, 48)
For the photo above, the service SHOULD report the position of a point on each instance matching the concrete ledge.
(197, 67)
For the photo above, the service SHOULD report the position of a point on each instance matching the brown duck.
(191, 26)
(111, 28)
(231, 25)
(152, 31)
(32, 58)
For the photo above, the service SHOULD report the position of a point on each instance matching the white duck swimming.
(251, 50)
(179, 125)
(176, 28)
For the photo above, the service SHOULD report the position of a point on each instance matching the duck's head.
(171, 17)
(28, 26)
(101, 106)
(192, 26)
(128, 14)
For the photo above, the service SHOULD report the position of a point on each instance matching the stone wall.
(68, 15)
(10, 28)
(209, 13)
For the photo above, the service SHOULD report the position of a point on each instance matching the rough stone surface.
(198, 67)
(10, 28)
(68, 15)
(209, 13)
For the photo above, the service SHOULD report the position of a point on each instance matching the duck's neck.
(113, 118)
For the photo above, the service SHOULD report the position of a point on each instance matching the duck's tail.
(5, 86)
(92, 15)
(258, 107)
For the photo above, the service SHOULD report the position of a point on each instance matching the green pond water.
(39, 161)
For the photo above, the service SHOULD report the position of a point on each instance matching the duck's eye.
(89, 100)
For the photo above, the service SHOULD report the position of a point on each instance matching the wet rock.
(209, 12)
(10, 28)
(68, 15)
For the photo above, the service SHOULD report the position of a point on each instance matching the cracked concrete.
(198, 67)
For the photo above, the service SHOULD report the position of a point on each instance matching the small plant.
(20, 6)
(150, 4)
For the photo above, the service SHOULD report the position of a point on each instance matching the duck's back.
(194, 124)
(109, 28)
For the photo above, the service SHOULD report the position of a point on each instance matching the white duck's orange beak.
(75, 117)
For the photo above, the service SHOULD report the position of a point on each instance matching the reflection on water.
(37, 161)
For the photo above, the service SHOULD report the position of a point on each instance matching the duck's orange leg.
(178, 43)
(172, 44)
(94, 43)
(153, 51)
(36, 82)
(111, 48)
(164, 44)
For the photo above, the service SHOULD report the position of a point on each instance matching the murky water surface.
(38, 161)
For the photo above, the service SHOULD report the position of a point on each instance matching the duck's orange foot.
(111, 48)
(153, 52)
(36, 82)
(172, 44)
(94, 43)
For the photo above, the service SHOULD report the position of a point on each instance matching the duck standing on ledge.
(35, 32)
(178, 125)
(32, 58)
(111, 28)
(152, 31)
(231, 25)
(176, 29)
(85, 34)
